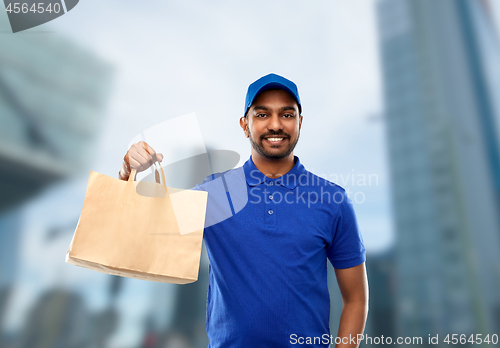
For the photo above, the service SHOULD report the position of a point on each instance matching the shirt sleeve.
(347, 247)
(199, 187)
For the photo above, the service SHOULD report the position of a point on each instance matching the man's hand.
(140, 156)
(353, 285)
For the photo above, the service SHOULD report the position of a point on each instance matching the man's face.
(273, 124)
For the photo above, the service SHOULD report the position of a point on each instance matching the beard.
(283, 153)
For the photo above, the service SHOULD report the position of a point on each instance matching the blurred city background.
(404, 91)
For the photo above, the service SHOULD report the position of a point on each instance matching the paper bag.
(124, 232)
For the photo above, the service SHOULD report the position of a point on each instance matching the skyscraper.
(380, 272)
(52, 98)
(440, 79)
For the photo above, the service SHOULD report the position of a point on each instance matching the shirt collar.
(290, 180)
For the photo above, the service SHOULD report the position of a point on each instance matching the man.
(268, 275)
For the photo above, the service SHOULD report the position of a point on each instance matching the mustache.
(283, 135)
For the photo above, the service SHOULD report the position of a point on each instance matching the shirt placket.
(270, 213)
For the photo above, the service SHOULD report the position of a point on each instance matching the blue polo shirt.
(268, 241)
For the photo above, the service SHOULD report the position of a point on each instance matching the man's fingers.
(149, 149)
(148, 152)
(142, 155)
(135, 164)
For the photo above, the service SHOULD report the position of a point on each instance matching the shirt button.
(271, 183)
(271, 197)
(270, 212)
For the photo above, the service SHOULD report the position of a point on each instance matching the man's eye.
(288, 115)
(260, 115)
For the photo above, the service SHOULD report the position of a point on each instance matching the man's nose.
(275, 123)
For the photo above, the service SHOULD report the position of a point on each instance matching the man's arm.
(353, 285)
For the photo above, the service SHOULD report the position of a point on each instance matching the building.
(52, 99)
(441, 86)
(380, 272)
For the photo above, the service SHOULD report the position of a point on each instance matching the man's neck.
(273, 168)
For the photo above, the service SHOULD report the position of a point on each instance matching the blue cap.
(271, 81)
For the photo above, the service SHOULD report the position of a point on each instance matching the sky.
(170, 58)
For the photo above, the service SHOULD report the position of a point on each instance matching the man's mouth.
(275, 140)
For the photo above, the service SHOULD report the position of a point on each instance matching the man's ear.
(244, 125)
(300, 121)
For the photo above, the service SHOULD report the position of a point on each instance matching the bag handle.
(157, 179)
(133, 172)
